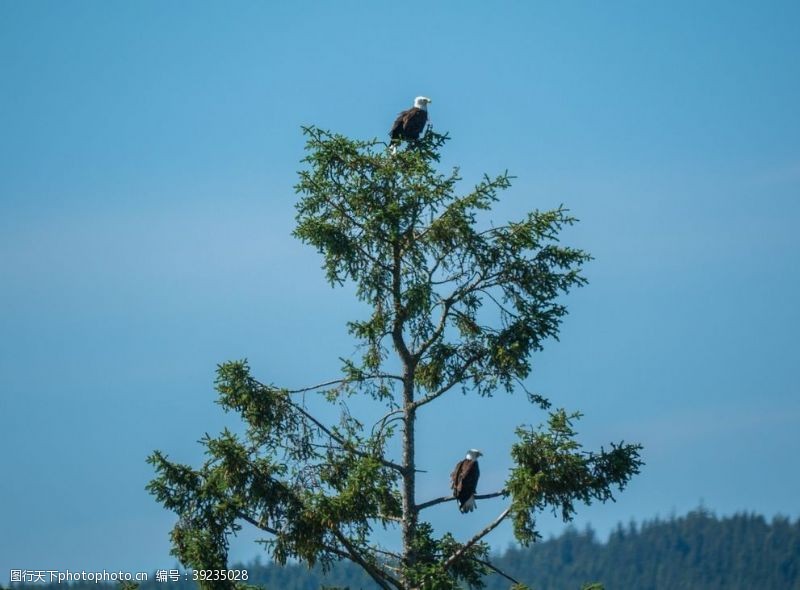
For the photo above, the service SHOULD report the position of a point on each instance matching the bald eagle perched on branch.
(464, 480)
(409, 124)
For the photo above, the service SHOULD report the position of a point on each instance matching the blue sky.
(147, 158)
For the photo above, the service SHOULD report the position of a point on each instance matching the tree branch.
(342, 441)
(443, 499)
(347, 444)
(460, 376)
(257, 524)
(380, 577)
(450, 560)
(270, 530)
(436, 263)
(399, 310)
(350, 219)
(496, 569)
(351, 554)
(497, 303)
(437, 333)
(343, 381)
(386, 419)
(318, 386)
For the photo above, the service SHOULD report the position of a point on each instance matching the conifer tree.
(454, 306)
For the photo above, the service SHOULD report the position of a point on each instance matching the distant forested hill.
(695, 552)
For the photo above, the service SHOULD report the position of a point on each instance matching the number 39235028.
(209, 575)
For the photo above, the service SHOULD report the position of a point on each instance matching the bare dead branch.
(339, 439)
(396, 414)
(382, 578)
(271, 531)
(343, 381)
(496, 569)
(493, 525)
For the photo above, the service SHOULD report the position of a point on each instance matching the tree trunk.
(409, 472)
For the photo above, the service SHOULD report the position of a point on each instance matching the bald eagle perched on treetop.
(409, 124)
(464, 480)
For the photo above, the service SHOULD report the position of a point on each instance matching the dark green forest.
(699, 551)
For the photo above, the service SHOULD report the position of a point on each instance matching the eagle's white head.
(473, 454)
(421, 102)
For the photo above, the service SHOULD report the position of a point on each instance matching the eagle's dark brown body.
(464, 480)
(409, 124)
